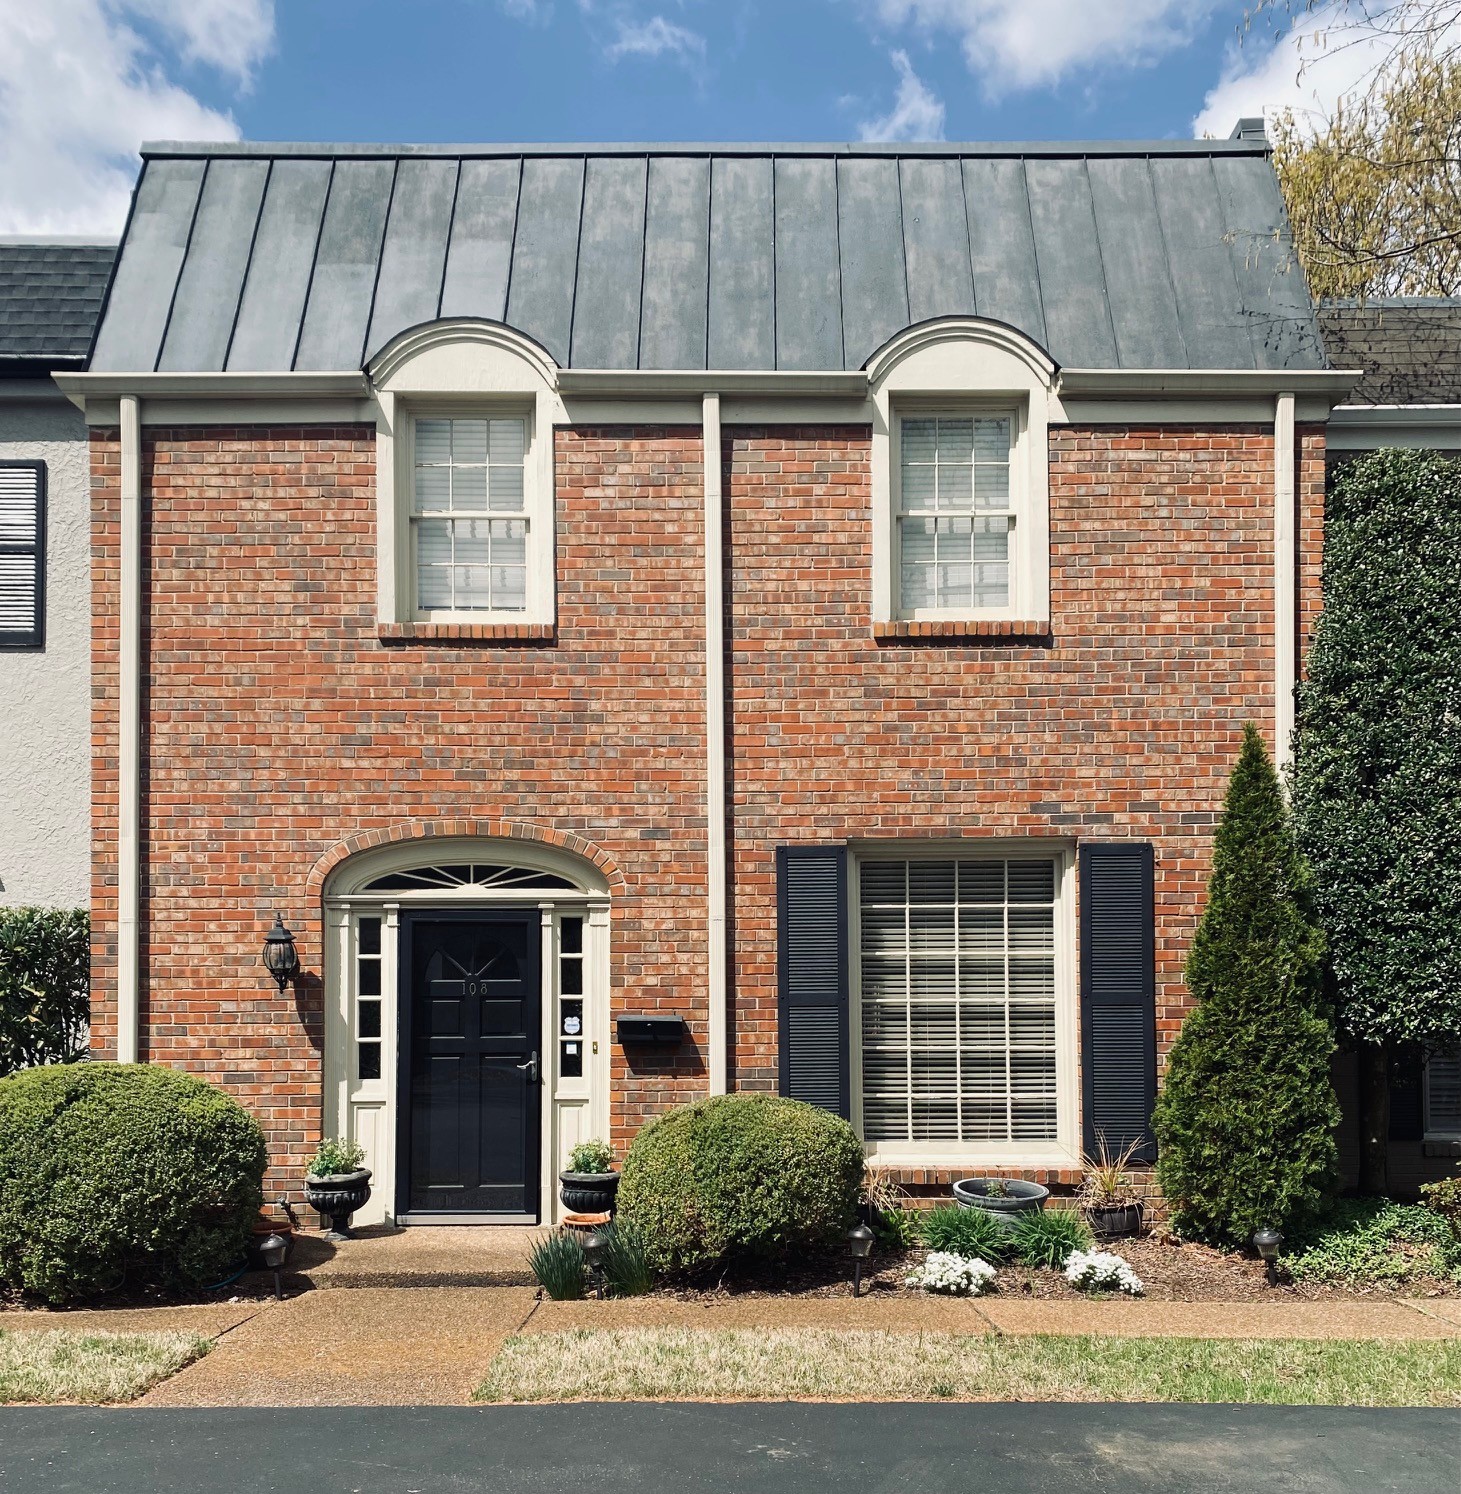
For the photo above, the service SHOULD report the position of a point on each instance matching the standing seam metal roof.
(273, 258)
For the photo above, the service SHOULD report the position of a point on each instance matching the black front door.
(470, 1029)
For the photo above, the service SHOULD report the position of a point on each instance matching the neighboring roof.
(1409, 348)
(267, 258)
(50, 295)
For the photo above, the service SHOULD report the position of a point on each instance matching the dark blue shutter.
(812, 975)
(1407, 1094)
(1118, 996)
(22, 555)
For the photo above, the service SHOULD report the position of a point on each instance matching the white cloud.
(655, 37)
(1298, 71)
(917, 114)
(80, 89)
(1014, 44)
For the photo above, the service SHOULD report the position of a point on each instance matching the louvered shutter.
(1407, 1094)
(1118, 996)
(22, 554)
(1443, 1092)
(812, 975)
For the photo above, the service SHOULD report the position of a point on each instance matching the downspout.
(129, 710)
(718, 1056)
(1285, 634)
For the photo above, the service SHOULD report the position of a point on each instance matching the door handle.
(531, 1067)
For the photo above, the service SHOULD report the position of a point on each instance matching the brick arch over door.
(428, 830)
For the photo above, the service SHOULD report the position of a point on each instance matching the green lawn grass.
(58, 1365)
(815, 1364)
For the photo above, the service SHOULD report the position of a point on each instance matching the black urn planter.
(337, 1197)
(1011, 1198)
(1115, 1221)
(588, 1192)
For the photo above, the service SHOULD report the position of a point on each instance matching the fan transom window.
(475, 875)
(958, 983)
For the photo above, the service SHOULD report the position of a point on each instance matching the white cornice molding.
(1216, 383)
(79, 387)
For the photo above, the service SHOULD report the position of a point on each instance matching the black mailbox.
(651, 1032)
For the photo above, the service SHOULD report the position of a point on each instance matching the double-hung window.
(22, 554)
(473, 529)
(960, 1001)
(955, 514)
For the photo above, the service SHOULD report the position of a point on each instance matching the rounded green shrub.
(116, 1175)
(740, 1178)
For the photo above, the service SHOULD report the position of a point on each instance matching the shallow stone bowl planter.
(337, 1197)
(589, 1192)
(1015, 1198)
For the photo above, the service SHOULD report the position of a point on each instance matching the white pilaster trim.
(1285, 640)
(129, 732)
(717, 1025)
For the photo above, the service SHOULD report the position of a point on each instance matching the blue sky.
(83, 82)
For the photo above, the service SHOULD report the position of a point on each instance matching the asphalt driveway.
(732, 1449)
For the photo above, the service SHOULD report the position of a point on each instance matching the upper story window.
(955, 513)
(471, 525)
(22, 555)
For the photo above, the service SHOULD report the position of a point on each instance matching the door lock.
(531, 1067)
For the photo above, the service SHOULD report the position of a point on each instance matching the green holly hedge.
(1377, 772)
(1247, 1115)
(45, 991)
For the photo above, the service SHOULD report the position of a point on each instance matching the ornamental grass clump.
(740, 1179)
(1247, 1116)
(1046, 1237)
(952, 1275)
(557, 1260)
(1102, 1271)
(972, 1233)
(123, 1176)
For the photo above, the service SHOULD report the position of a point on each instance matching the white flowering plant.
(1101, 1271)
(953, 1275)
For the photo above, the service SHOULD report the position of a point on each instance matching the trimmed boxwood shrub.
(123, 1175)
(740, 1178)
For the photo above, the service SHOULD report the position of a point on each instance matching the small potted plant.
(1108, 1198)
(589, 1183)
(336, 1184)
(1005, 1198)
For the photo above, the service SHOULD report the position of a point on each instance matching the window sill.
(444, 632)
(1442, 1146)
(983, 630)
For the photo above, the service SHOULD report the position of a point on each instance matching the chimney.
(1250, 129)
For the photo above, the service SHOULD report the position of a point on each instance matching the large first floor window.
(959, 992)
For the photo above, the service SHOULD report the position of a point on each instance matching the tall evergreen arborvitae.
(1247, 1115)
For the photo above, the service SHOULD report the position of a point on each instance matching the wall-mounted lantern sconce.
(280, 957)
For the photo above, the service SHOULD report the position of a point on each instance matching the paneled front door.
(470, 1020)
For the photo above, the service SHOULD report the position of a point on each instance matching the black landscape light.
(281, 959)
(860, 1243)
(272, 1250)
(1268, 1242)
(593, 1253)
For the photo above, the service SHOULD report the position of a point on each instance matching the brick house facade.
(385, 774)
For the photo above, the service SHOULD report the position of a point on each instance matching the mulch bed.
(1171, 1271)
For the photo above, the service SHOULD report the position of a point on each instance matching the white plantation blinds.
(468, 515)
(22, 554)
(954, 518)
(1443, 1093)
(958, 1000)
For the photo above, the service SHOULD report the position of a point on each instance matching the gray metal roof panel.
(1167, 255)
(50, 295)
(277, 284)
(676, 264)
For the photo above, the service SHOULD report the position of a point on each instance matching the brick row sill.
(1003, 630)
(425, 632)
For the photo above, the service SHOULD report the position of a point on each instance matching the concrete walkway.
(443, 1255)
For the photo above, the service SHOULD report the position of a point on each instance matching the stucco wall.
(45, 696)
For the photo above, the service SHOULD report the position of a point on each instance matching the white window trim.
(963, 365)
(537, 509)
(1065, 1150)
(1022, 560)
(1429, 1133)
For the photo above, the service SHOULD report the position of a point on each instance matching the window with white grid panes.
(367, 999)
(958, 998)
(955, 517)
(570, 998)
(470, 524)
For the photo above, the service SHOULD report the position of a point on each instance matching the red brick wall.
(278, 723)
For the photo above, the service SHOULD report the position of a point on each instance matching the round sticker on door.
(572, 1026)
